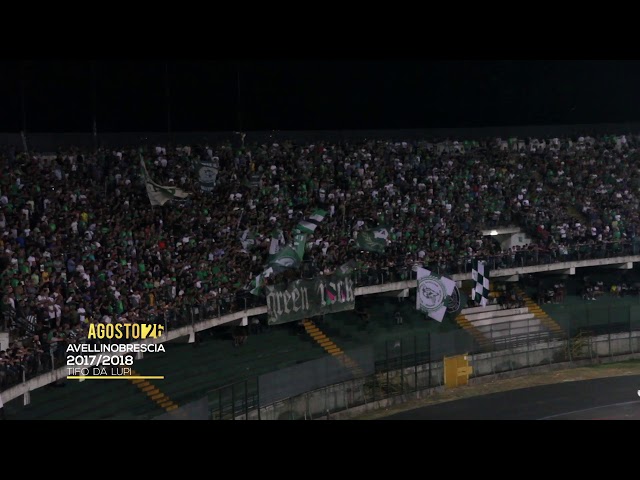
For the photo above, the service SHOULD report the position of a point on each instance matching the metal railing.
(410, 364)
(190, 314)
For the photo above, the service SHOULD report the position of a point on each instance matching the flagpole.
(240, 219)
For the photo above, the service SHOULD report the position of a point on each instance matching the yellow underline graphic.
(115, 377)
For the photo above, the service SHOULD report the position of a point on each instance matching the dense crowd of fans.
(84, 244)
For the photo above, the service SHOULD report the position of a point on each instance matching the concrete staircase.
(493, 327)
(540, 314)
(468, 326)
(331, 348)
(153, 392)
(577, 215)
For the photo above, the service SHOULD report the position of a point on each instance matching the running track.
(612, 398)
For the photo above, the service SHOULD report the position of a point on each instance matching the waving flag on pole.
(259, 281)
(159, 194)
(248, 240)
(300, 243)
(373, 240)
(277, 239)
(481, 288)
(309, 224)
(285, 258)
(347, 268)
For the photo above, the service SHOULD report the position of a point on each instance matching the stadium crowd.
(84, 244)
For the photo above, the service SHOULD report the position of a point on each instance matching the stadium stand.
(83, 243)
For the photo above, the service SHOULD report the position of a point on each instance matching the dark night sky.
(322, 94)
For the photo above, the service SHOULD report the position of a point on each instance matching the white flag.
(277, 239)
(432, 293)
(158, 194)
(248, 240)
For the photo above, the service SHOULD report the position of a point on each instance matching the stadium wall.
(354, 397)
(50, 142)
(190, 330)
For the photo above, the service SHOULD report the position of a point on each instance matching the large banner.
(307, 298)
(433, 294)
(456, 303)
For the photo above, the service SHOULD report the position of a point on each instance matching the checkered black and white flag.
(480, 275)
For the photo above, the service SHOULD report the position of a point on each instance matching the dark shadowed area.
(184, 95)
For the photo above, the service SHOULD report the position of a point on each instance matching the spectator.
(83, 244)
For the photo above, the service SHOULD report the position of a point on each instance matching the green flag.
(299, 244)
(285, 258)
(373, 240)
(309, 224)
(347, 268)
(258, 282)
